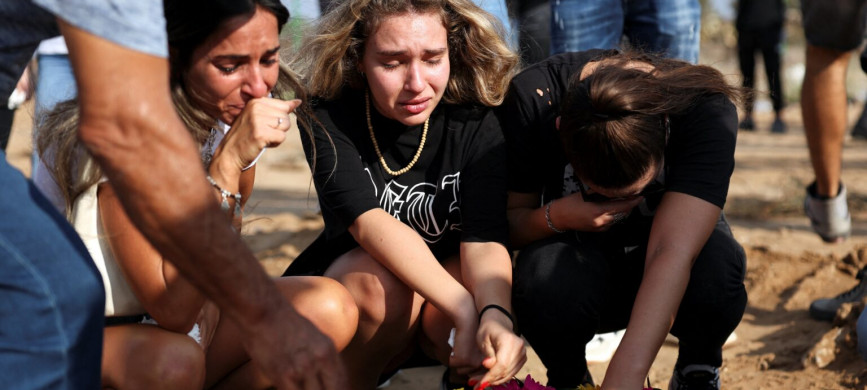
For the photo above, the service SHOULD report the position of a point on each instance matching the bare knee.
(381, 297)
(327, 304)
(181, 367)
(156, 359)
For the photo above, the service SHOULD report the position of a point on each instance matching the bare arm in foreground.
(129, 125)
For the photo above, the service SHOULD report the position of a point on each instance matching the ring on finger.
(279, 121)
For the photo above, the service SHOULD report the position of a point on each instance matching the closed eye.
(227, 69)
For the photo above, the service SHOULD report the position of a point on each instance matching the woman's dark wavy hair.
(613, 123)
(189, 24)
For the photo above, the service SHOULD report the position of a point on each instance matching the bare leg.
(321, 300)
(823, 105)
(436, 325)
(388, 316)
(140, 356)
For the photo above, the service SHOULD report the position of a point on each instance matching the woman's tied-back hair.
(613, 124)
(189, 24)
(481, 62)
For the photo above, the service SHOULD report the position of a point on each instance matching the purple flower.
(529, 384)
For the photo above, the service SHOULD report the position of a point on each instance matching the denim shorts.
(847, 30)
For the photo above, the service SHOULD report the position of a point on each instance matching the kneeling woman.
(224, 64)
(619, 170)
(409, 170)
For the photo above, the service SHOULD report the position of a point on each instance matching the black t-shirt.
(699, 156)
(455, 192)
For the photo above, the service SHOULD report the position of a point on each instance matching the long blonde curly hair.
(482, 64)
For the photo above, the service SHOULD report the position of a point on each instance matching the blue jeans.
(861, 331)
(668, 27)
(52, 302)
(54, 84)
(500, 11)
(55, 81)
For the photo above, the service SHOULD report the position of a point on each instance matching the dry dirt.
(778, 346)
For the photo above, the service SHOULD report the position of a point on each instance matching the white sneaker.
(829, 217)
(601, 348)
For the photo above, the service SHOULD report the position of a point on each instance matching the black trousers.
(766, 41)
(573, 285)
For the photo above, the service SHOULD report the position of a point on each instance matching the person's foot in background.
(747, 124)
(778, 127)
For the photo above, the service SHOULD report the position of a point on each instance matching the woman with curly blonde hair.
(410, 174)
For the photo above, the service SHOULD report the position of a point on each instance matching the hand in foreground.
(505, 351)
(466, 357)
(573, 213)
(293, 353)
(263, 123)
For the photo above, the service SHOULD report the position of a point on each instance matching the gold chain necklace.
(376, 145)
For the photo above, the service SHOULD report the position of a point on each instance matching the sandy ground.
(778, 346)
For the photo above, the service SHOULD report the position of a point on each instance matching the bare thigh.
(380, 295)
(321, 300)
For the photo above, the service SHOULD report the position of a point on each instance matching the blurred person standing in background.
(824, 107)
(760, 28)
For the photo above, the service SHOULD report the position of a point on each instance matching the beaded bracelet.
(548, 219)
(225, 195)
(502, 310)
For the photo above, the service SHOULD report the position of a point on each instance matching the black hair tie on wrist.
(502, 310)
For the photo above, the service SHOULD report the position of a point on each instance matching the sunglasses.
(588, 195)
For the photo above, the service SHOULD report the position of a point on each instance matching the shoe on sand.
(826, 309)
(829, 217)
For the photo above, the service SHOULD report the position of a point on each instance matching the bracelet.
(502, 310)
(548, 218)
(225, 196)
(252, 164)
